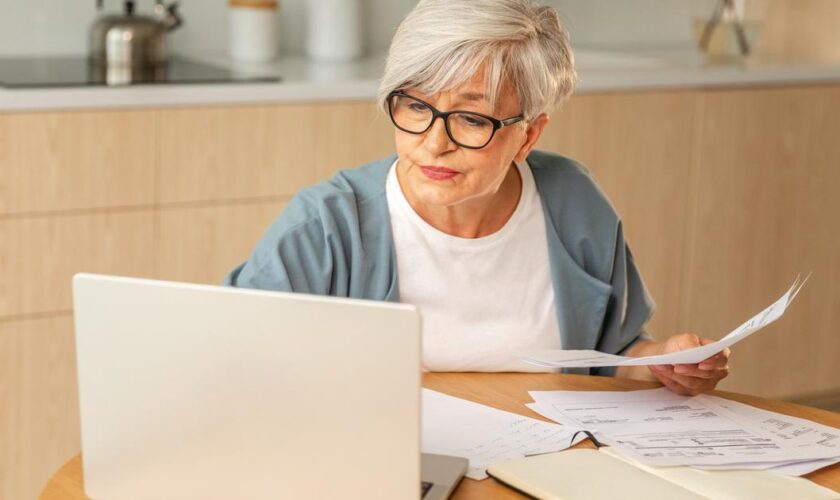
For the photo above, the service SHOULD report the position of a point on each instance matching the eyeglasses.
(464, 128)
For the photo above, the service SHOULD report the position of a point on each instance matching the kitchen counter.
(599, 70)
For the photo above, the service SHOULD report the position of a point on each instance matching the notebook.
(603, 474)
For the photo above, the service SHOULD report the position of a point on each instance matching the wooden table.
(507, 391)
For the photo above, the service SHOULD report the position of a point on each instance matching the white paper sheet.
(483, 435)
(657, 427)
(795, 468)
(805, 467)
(559, 358)
(788, 468)
(797, 432)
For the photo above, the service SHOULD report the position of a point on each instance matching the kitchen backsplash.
(40, 27)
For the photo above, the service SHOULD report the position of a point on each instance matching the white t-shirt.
(481, 299)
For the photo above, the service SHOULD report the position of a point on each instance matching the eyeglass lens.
(465, 129)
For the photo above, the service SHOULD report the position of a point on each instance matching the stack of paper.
(659, 428)
(484, 435)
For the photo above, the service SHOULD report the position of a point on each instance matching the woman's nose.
(437, 140)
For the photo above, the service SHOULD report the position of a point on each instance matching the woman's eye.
(474, 121)
(416, 106)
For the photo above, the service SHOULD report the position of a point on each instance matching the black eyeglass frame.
(497, 124)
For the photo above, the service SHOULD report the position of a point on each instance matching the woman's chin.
(436, 198)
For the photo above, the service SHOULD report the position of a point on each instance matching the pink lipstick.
(438, 173)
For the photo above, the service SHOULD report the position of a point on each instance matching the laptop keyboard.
(425, 486)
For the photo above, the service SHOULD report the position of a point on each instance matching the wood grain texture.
(509, 392)
(39, 413)
(766, 209)
(638, 146)
(349, 135)
(63, 161)
(804, 30)
(39, 256)
(219, 153)
(200, 245)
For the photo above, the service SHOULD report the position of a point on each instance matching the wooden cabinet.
(215, 154)
(725, 196)
(39, 407)
(201, 244)
(766, 199)
(40, 254)
(57, 162)
(180, 194)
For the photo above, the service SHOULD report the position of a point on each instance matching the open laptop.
(204, 392)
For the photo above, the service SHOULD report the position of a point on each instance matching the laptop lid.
(193, 391)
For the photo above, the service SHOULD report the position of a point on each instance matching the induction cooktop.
(78, 72)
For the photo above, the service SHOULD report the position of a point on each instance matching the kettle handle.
(128, 7)
(168, 14)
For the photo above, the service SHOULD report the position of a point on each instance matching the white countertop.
(303, 80)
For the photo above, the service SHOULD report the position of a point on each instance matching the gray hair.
(442, 43)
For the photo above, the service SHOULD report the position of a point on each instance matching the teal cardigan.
(335, 238)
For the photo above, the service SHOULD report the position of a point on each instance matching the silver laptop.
(205, 392)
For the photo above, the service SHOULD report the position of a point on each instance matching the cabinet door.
(77, 160)
(39, 405)
(349, 135)
(231, 153)
(40, 254)
(767, 196)
(201, 244)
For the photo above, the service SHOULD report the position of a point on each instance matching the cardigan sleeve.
(628, 309)
(292, 259)
(332, 239)
(293, 255)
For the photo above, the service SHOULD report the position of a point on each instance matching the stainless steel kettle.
(130, 40)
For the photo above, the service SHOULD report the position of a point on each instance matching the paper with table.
(659, 428)
(797, 432)
(484, 435)
(558, 358)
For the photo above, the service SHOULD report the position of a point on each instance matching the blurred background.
(60, 26)
(711, 125)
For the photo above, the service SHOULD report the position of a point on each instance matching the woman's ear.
(532, 135)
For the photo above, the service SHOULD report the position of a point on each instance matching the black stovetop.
(33, 72)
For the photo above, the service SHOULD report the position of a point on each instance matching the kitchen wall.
(38, 27)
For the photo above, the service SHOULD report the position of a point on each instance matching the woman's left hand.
(695, 378)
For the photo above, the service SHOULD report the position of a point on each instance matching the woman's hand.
(691, 379)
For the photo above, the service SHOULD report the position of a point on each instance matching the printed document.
(797, 432)
(657, 427)
(558, 358)
(483, 435)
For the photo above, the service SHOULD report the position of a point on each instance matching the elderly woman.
(502, 248)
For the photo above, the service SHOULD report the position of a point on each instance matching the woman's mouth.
(438, 173)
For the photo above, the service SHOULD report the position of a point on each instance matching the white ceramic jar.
(334, 30)
(253, 30)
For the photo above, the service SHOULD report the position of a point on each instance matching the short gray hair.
(442, 43)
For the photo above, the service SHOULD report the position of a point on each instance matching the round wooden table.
(507, 391)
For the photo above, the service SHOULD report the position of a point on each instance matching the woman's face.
(437, 173)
